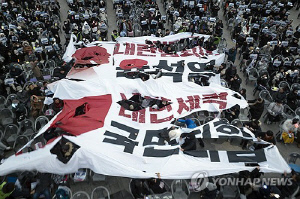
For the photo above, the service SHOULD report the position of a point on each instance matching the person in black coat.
(265, 136)
(293, 99)
(235, 83)
(232, 113)
(262, 82)
(19, 110)
(189, 142)
(254, 127)
(43, 186)
(17, 74)
(157, 186)
(230, 72)
(280, 95)
(257, 108)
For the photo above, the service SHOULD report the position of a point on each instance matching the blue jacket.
(189, 123)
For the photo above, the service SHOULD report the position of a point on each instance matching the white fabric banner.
(115, 141)
(110, 151)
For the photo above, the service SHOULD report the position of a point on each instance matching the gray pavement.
(115, 184)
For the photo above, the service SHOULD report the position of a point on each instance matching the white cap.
(173, 134)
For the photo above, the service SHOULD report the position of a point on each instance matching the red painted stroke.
(96, 111)
(127, 64)
(96, 54)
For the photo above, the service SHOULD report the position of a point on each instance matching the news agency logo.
(199, 181)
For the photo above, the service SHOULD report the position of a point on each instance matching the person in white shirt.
(290, 127)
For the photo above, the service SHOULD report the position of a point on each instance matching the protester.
(43, 186)
(256, 108)
(157, 185)
(189, 141)
(6, 189)
(275, 110)
(265, 136)
(290, 127)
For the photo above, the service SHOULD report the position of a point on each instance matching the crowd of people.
(266, 44)
(143, 18)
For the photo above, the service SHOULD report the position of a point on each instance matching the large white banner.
(121, 150)
(113, 140)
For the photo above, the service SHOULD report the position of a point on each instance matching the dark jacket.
(278, 96)
(230, 73)
(16, 72)
(256, 109)
(232, 55)
(44, 182)
(190, 141)
(235, 84)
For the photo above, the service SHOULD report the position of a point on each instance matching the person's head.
(295, 121)
(260, 100)
(281, 89)
(255, 122)
(13, 68)
(278, 102)
(131, 107)
(235, 108)
(152, 181)
(8, 188)
(173, 134)
(56, 100)
(269, 134)
(15, 103)
(295, 176)
(281, 69)
(31, 86)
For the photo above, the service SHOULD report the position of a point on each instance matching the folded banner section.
(118, 149)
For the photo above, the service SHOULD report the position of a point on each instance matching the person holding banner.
(254, 127)
(191, 124)
(157, 185)
(265, 136)
(189, 142)
(257, 108)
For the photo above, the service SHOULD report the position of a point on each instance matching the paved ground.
(115, 184)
